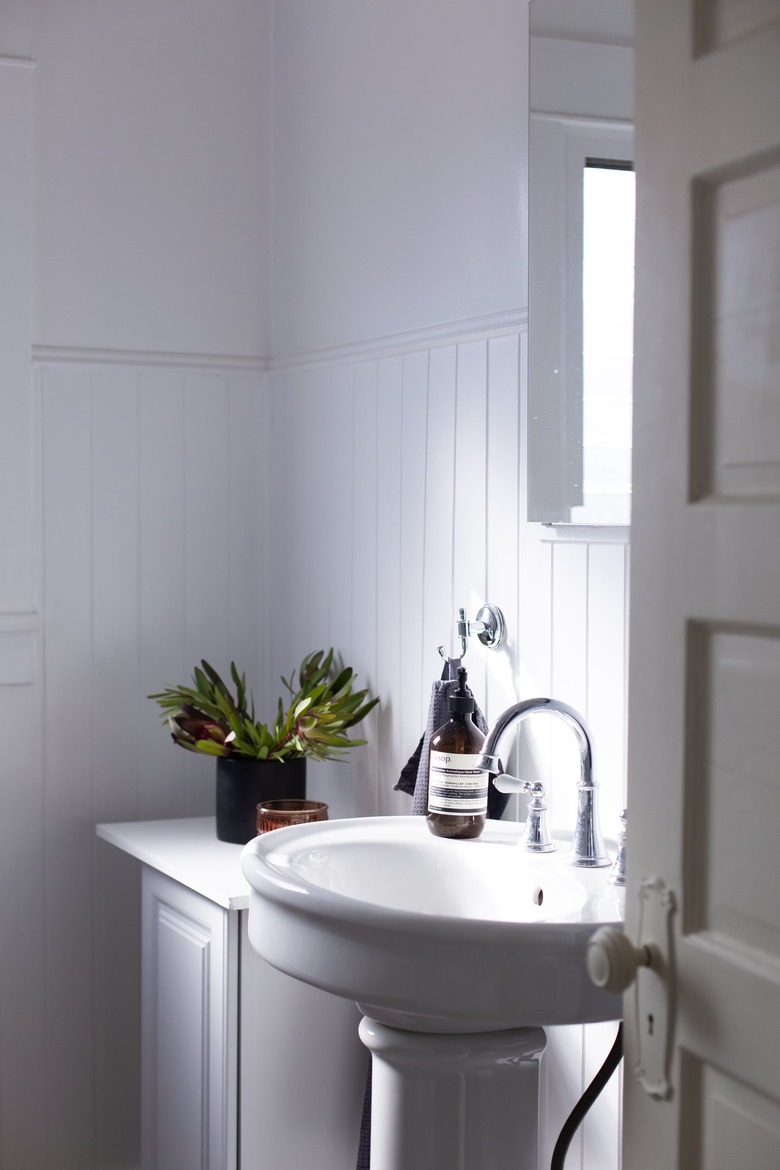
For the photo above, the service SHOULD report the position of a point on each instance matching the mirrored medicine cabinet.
(581, 261)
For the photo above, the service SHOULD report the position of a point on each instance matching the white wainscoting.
(193, 513)
(399, 494)
(388, 515)
(152, 513)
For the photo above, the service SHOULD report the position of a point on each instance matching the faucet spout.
(587, 848)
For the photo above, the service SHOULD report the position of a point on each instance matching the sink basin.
(427, 934)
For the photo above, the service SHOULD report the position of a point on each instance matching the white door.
(704, 754)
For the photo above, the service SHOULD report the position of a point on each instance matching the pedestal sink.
(458, 953)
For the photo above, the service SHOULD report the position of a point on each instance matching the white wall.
(399, 419)
(135, 240)
(191, 504)
(152, 194)
(150, 522)
(399, 163)
(404, 497)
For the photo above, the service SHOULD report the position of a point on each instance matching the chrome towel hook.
(489, 626)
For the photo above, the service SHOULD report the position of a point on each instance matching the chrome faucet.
(587, 848)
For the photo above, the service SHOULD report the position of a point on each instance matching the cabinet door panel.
(188, 1026)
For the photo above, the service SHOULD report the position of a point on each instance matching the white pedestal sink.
(458, 953)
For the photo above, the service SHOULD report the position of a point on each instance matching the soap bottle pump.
(457, 784)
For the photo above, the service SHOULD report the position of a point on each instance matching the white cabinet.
(243, 1067)
(189, 1029)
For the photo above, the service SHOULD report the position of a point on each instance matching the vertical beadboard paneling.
(147, 502)
(68, 814)
(115, 762)
(207, 504)
(278, 551)
(470, 500)
(23, 1126)
(364, 576)
(342, 521)
(606, 675)
(151, 480)
(569, 676)
(161, 583)
(461, 496)
(386, 477)
(568, 682)
(115, 593)
(388, 585)
(149, 485)
(569, 642)
(560, 1088)
(206, 585)
(535, 584)
(316, 529)
(264, 524)
(607, 659)
(117, 1008)
(414, 684)
(301, 478)
(502, 521)
(246, 608)
(438, 595)
(600, 1133)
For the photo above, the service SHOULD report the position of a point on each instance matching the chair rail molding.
(500, 324)
(50, 355)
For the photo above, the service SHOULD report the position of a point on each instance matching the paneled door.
(704, 697)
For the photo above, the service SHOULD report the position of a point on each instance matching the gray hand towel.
(414, 777)
(438, 714)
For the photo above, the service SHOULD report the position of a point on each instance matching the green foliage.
(208, 718)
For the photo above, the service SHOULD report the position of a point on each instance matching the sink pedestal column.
(466, 1101)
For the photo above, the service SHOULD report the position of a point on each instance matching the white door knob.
(612, 959)
(614, 964)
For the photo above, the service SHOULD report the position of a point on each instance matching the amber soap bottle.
(457, 785)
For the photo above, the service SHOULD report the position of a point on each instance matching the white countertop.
(188, 851)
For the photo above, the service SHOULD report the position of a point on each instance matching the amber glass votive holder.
(275, 814)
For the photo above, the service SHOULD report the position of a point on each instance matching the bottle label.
(457, 784)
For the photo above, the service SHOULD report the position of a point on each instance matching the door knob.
(614, 964)
(613, 960)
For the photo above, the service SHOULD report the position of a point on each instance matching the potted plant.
(261, 761)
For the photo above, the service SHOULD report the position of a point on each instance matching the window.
(608, 212)
(580, 318)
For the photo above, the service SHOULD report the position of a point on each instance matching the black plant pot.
(243, 784)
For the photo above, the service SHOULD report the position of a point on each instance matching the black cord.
(577, 1115)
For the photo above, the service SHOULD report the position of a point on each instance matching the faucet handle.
(506, 783)
(537, 835)
(617, 875)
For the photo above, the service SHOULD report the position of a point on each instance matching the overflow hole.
(538, 896)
